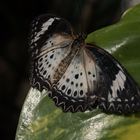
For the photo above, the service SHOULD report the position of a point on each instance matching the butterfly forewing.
(49, 38)
(78, 76)
(46, 26)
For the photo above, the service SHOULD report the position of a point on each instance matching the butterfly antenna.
(79, 9)
(86, 13)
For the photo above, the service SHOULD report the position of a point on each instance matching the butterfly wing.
(117, 91)
(50, 41)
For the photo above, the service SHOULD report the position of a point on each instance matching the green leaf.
(122, 40)
(41, 120)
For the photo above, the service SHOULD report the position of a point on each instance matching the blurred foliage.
(41, 119)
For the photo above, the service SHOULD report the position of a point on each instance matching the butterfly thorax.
(80, 39)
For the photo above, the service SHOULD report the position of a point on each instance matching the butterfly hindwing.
(75, 86)
(118, 92)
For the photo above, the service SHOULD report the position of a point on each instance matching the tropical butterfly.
(78, 76)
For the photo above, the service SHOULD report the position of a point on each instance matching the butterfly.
(78, 76)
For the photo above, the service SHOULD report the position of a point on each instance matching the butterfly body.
(79, 76)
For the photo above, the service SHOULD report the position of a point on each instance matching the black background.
(15, 19)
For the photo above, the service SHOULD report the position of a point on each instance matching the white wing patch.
(117, 85)
(44, 28)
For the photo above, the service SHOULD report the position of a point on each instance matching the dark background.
(15, 19)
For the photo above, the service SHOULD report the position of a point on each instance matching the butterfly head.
(80, 38)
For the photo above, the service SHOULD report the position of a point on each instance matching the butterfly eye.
(78, 76)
